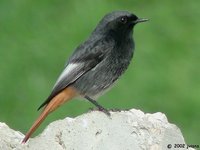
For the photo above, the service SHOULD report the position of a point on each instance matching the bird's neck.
(124, 47)
(121, 37)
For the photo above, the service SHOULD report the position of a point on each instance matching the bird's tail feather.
(64, 96)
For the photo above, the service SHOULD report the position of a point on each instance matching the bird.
(95, 65)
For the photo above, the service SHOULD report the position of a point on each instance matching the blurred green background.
(36, 38)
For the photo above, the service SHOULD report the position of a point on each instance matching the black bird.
(95, 64)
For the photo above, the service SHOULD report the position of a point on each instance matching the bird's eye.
(123, 20)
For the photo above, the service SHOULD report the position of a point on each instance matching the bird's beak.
(139, 20)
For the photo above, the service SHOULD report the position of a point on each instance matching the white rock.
(125, 130)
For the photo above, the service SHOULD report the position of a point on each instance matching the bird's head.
(118, 23)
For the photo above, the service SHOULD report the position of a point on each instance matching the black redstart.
(95, 64)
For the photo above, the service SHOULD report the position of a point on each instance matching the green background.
(36, 38)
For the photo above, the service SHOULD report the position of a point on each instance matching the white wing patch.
(67, 71)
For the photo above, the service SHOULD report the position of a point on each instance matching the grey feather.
(97, 63)
(85, 60)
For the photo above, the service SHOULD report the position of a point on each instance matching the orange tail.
(64, 96)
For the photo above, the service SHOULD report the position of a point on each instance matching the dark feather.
(86, 58)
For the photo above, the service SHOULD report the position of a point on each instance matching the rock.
(125, 130)
(9, 139)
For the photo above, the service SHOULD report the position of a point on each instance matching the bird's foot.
(101, 109)
(115, 109)
(118, 110)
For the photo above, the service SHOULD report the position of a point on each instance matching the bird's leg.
(101, 108)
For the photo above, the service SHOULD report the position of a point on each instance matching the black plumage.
(98, 62)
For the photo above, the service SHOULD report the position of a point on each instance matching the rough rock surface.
(125, 130)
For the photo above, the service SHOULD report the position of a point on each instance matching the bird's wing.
(82, 60)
